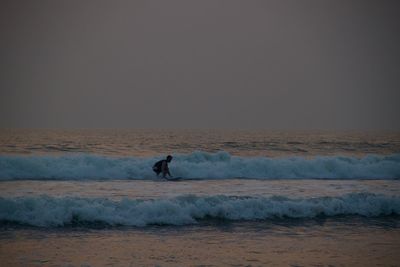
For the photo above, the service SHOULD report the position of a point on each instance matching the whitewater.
(47, 211)
(198, 165)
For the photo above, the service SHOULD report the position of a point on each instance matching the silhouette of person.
(162, 167)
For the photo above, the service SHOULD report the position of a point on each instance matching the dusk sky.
(200, 64)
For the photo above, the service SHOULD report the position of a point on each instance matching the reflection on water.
(155, 142)
(139, 189)
(332, 242)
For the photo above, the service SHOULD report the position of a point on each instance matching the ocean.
(245, 198)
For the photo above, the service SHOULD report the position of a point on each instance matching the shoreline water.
(348, 241)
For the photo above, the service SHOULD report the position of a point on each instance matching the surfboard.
(174, 179)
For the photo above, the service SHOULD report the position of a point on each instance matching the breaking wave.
(198, 165)
(45, 211)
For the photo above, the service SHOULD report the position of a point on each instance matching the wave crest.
(199, 165)
(48, 211)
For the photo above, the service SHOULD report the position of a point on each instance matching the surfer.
(162, 167)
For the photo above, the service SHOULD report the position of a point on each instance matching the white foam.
(199, 165)
(48, 211)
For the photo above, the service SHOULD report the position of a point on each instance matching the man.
(162, 167)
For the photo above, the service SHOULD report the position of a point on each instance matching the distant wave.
(45, 211)
(198, 165)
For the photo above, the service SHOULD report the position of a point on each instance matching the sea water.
(247, 198)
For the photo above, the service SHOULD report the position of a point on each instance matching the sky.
(278, 65)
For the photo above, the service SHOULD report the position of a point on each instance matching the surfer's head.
(169, 158)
